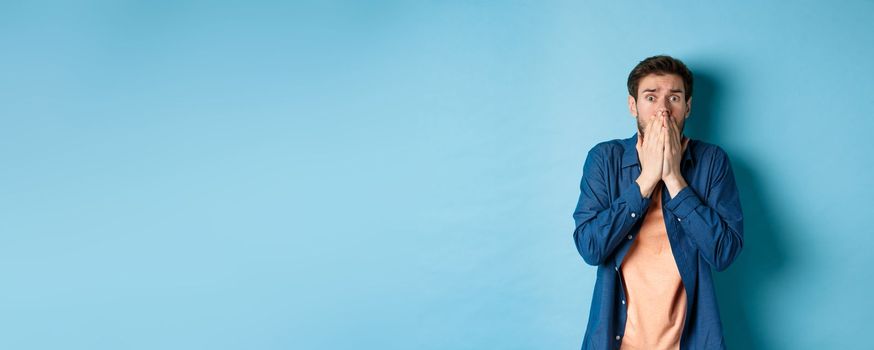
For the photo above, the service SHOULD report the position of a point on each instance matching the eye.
(650, 98)
(675, 98)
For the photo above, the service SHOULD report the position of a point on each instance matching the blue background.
(401, 175)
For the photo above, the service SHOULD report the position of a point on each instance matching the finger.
(669, 142)
(675, 137)
(662, 137)
(664, 126)
(672, 134)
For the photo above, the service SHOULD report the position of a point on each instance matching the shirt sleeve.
(602, 222)
(716, 224)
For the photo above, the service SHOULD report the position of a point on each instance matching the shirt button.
(678, 219)
(629, 236)
(616, 268)
(623, 302)
(617, 337)
(634, 215)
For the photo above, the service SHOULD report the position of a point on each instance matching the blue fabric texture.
(704, 224)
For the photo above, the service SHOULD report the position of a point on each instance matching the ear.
(632, 106)
(688, 107)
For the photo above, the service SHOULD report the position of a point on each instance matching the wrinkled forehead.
(661, 83)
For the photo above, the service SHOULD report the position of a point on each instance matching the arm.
(716, 226)
(602, 223)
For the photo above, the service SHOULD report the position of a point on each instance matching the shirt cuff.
(683, 203)
(636, 202)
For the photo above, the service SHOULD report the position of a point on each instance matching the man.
(656, 212)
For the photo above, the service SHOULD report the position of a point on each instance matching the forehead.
(664, 82)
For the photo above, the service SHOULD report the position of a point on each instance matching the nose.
(666, 104)
(664, 110)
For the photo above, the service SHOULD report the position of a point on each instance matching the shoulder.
(709, 154)
(608, 149)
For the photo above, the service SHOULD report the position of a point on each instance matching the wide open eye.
(650, 98)
(675, 98)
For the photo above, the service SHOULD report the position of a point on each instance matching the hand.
(673, 155)
(650, 151)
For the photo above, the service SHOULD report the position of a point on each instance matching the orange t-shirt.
(656, 298)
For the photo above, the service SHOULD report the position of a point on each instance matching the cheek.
(645, 109)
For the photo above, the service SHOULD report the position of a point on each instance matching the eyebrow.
(653, 90)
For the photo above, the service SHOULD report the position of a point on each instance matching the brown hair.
(659, 65)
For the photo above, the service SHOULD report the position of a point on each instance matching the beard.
(640, 127)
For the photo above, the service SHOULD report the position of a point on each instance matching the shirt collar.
(629, 153)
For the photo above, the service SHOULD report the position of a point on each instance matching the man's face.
(657, 94)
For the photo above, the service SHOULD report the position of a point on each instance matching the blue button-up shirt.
(704, 224)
